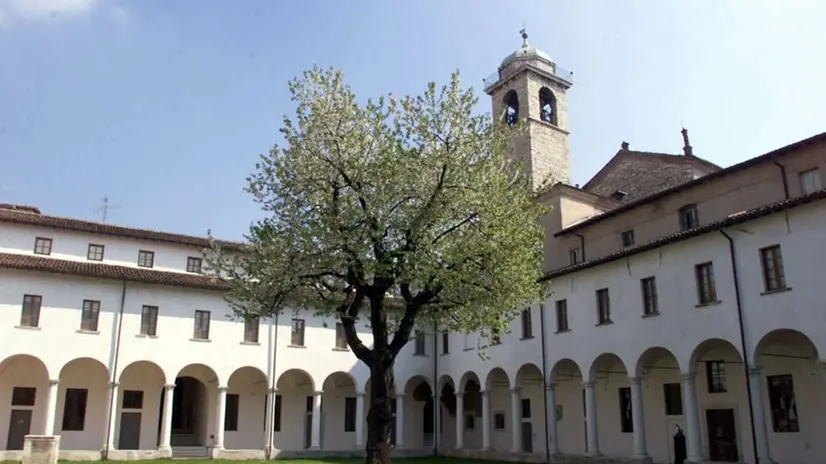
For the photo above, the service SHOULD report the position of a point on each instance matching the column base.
(315, 448)
(642, 459)
(217, 451)
(765, 461)
(593, 454)
(165, 451)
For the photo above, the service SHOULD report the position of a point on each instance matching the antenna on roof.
(104, 208)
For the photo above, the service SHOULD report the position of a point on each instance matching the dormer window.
(689, 218)
(628, 238)
(619, 195)
(576, 256)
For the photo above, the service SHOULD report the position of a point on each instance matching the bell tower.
(529, 88)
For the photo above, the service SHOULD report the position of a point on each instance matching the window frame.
(626, 409)
(603, 306)
(341, 337)
(650, 303)
(627, 238)
(252, 326)
(526, 318)
(89, 316)
(561, 311)
(350, 408)
(816, 182)
(43, 246)
(92, 252)
(149, 321)
(420, 343)
(142, 259)
(30, 310)
(716, 376)
(675, 406)
(132, 399)
(773, 383)
(706, 288)
(575, 256)
(24, 396)
(771, 262)
(74, 409)
(694, 222)
(199, 332)
(445, 342)
(231, 408)
(191, 264)
(297, 331)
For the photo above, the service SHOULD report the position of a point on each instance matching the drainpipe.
(742, 341)
(436, 395)
(113, 399)
(271, 428)
(544, 379)
(785, 181)
(581, 245)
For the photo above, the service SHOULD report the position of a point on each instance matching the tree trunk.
(380, 416)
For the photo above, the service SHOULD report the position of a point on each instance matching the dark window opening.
(547, 106)
(673, 399)
(350, 414)
(23, 396)
(95, 252)
(626, 420)
(783, 403)
(132, 399)
(231, 413)
(74, 409)
(511, 102)
(716, 376)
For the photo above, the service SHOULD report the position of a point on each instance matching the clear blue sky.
(164, 105)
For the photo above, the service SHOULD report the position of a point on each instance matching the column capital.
(114, 385)
(400, 396)
(589, 384)
(687, 375)
(460, 394)
(318, 393)
(169, 386)
(484, 392)
(550, 386)
(755, 370)
(272, 391)
(361, 394)
(53, 382)
(223, 389)
(635, 380)
(515, 390)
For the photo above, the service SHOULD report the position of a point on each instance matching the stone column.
(359, 419)
(486, 420)
(270, 421)
(316, 437)
(591, 419)
(399, 420)
(460, 421)
(221, 417)
(516, 420)
(553, 434)
(638, 418)
(692, 420)
(166, 425)
(109, 439)
(51, 407)
(759, 413)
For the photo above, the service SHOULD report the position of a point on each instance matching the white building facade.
(698, 340)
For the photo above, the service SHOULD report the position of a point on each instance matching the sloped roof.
(109, 271)
(31, 216)
(638, 174)
(730, 220)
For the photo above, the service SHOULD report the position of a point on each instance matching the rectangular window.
(95, 252)
(350, 414)
(527, 323)
(576, 256)
(649, 296)
(251, 325)
(341, 337)
(201, 331)
(297, 333)
(495, 337)
(706, 292)
(74, 409)
(603, 307)
(499, 421)
(782, 403)
(30, 315)
(526, 408)
(673, 399)
(23, 396)
(420, 343)
(277, 414)
(773, 276)
(193, 264)
(89, 315)
(149, 320)
(467, 341)
(146, 258)
(132, 399)
(562, 316)
(231, 413)
(689, 218)
(626, 422)
(716, 376)
(810, 181)
(42, 246)
(628, 238)
(445, 342)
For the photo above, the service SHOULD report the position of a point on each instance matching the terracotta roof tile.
(108, 271)
(20, 216)
(732, 219)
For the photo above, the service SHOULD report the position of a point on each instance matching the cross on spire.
(524, 33)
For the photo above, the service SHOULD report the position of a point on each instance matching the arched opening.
(138, 406)
(511, 104)
(80, 419)
(24, 390)
(447, 413)
(663, 398)
(294, 410)
(532, 408)
(613, 402)
(471, 388)
(246, 406)
(722, 399)
(570, 406)
(418, 413)
(193, 404)
(547, 106)
(338, 412)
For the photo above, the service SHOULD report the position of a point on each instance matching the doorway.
(20, 425)
(527, 437)
(130, 431)
(189, 412)
(722, 437)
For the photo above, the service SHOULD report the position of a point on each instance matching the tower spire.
(687, 149)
